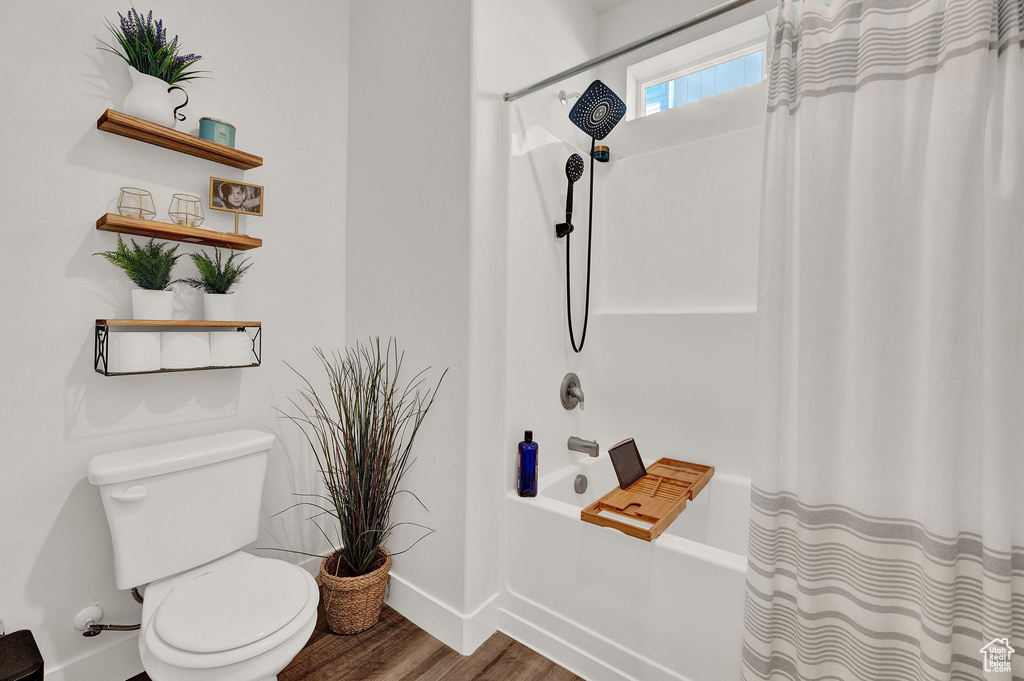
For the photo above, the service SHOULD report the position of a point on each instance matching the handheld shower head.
(573, 172)
(574, 169)
(597, 111)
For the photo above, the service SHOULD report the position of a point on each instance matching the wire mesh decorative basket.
(186, 210)
(136, 203)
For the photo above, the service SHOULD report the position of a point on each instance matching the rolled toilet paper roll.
(184, 349)
(231, 349)
(132, 351)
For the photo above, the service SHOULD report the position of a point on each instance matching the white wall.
(282, 80)
(408, 266)
(426, 261)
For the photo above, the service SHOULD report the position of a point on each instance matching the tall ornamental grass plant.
(362, 434)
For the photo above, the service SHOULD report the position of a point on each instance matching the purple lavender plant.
(143, 45)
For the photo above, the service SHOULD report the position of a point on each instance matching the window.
(717, 63)
(704, 81)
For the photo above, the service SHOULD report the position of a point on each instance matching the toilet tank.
(174, 506)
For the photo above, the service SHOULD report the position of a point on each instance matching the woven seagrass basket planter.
(353, 604)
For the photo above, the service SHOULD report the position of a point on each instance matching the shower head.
(574, 168)
(597, 111)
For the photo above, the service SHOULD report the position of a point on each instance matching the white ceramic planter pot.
(220, 307)
(148, 304)
(151, 99)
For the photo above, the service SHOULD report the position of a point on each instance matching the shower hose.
(568, 279)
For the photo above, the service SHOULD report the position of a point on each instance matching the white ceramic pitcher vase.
(151, 100)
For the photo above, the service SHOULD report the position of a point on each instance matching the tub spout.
(578, 444)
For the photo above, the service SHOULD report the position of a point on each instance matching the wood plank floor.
(395, 649)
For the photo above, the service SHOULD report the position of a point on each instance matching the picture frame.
(236, 197)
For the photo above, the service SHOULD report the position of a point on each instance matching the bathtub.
(610, 606)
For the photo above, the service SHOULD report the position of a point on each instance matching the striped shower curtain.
(887, 524)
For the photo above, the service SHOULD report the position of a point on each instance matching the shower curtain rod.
(626, 49)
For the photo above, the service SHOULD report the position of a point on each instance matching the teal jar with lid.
(217, 131)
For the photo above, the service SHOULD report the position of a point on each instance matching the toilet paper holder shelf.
(103, 355)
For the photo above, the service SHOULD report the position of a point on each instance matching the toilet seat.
(231, 613)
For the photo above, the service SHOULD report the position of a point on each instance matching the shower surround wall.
(58, 175)
(668, 360)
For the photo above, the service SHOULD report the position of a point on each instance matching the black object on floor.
(19, 657)
(626, 460)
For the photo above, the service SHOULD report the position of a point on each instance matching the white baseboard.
(463, 633)
(118, 661)
(480, 624)
(584, 653)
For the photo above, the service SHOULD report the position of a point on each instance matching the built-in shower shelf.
(112, 222)
(158, 135)
(647, 507)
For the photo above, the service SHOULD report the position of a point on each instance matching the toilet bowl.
(179, 515)
(239, 618)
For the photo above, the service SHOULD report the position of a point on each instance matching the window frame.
(697, 67)
(735, 41)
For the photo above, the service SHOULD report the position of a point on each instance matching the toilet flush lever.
(133, 493)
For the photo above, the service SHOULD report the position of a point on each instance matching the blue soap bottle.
(526, 478)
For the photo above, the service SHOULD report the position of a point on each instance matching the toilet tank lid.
(168, 457)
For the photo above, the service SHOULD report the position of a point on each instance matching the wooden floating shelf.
(174, 322)
(656, 499)
(162, 136)
(112, 222)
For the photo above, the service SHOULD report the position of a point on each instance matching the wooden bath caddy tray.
(657, 498)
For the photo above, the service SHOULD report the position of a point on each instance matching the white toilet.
(179, 513)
